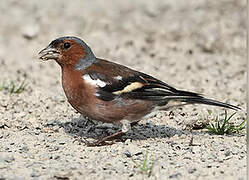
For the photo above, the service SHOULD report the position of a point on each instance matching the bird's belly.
(116, 110)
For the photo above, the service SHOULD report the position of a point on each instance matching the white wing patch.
(118, 77)
(91, 81)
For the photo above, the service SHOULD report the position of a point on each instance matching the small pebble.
(30, 31)
(35, 174)
(127, 141)
(9, 159)
(127, 153)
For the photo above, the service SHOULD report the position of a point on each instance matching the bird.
(109, 92)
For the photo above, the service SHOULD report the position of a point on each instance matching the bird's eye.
(66, 45)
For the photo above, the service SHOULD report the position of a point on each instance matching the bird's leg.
(126, 126)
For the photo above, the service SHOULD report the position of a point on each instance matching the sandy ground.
(193, 45)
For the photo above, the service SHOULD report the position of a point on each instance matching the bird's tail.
(212, 102)
(192, 98)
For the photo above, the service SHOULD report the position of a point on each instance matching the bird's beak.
(48, 53)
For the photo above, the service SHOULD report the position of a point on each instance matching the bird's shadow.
(84, 128)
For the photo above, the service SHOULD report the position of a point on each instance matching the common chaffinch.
(110, 92)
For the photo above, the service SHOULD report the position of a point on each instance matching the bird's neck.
(71, 82)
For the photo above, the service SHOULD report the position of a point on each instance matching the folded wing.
(133, 84)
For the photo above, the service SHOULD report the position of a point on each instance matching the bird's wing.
(118, 80)
(114, 80)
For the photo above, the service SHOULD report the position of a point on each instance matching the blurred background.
(172, 40)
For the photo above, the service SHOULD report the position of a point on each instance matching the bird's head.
(70, 51)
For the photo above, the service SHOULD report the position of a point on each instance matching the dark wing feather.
(113, 84)
(149, 87)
